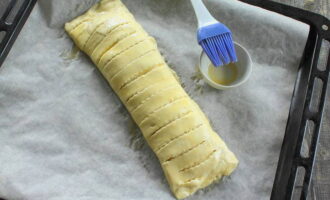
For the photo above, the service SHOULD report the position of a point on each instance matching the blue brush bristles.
(217, 42)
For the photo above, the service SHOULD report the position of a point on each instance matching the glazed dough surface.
(191, 154)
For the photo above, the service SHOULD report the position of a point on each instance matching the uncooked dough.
(191, 154)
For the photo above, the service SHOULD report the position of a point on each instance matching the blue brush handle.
(203, 15)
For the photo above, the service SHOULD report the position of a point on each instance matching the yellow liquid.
(223, 75)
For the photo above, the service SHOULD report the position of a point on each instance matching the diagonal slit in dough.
(135, 59)
(184, 152)
(92, 34)
(182, 115)
(109, 33)
(114, 44)
(198, 163)
(80, 23)
(217, 175)
(177, 137)
(163, 106)
(137, 93)
(118, 54)
(153, 95)
(141, 74)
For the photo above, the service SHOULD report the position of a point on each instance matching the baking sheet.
(65, 135)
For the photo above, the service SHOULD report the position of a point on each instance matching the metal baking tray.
(309, 72)
(14, 15)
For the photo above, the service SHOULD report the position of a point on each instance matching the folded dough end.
(225, 164)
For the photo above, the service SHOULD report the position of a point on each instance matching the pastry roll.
(191, 154)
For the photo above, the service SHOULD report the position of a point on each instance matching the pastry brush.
(214, 37)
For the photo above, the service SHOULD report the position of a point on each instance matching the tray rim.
(290, 157)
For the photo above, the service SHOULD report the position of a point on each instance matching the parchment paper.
(65, 135)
